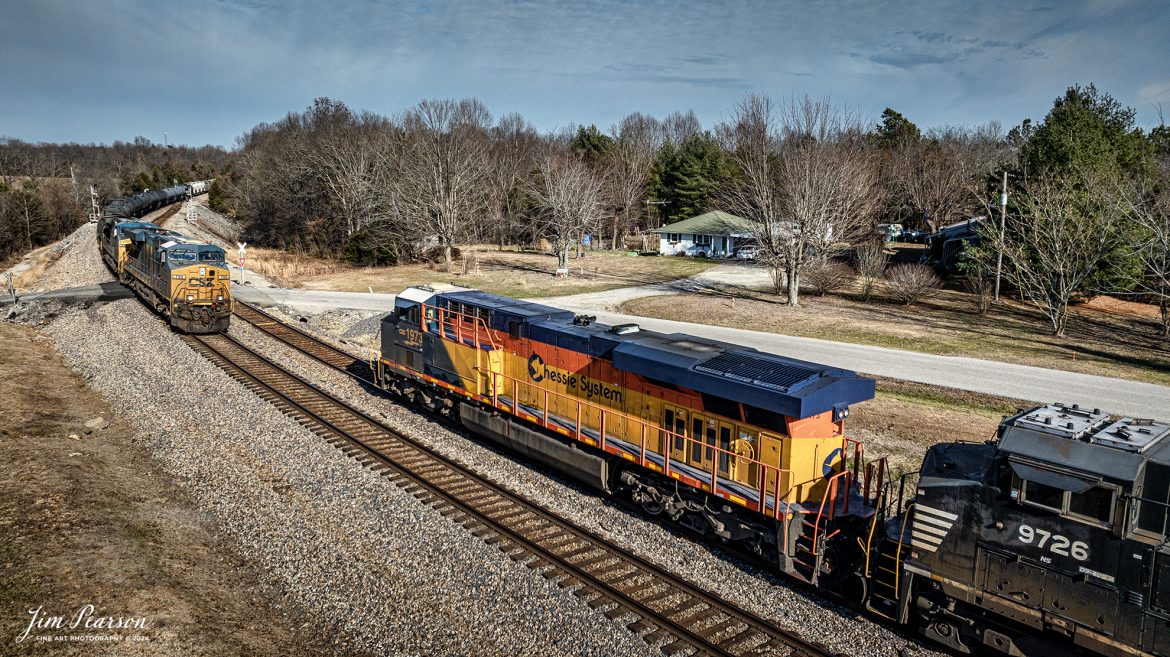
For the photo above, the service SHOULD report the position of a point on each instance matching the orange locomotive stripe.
(690, 481)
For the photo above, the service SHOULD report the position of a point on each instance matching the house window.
(703, 240)
(673, 237)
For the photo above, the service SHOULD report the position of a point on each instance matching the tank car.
(1052, 536)
(743, 446)
(188, 282)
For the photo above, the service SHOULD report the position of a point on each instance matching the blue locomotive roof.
(794, 388)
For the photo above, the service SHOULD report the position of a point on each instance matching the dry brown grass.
(42, 259)
(1126, 345)
(90, 519)
(511, 273)
(289, 269)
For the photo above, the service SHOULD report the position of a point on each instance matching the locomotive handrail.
(454, 319)
(764, 472)
(830, 496)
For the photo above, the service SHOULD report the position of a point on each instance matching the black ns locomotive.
(1052, 536)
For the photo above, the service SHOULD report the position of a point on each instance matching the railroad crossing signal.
(243, 251)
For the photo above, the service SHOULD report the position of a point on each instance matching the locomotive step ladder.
(807, 552)
(885, 580)
(885, 590)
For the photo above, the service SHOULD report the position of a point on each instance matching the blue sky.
(205, 71)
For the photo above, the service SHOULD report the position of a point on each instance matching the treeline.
(45, 188)
(813, 179)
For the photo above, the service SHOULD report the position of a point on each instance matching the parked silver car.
(745, 253)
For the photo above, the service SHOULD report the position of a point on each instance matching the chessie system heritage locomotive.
(1057, 530)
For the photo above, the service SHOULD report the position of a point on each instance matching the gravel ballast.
(79, 262)
(757, 590)
(376, 570)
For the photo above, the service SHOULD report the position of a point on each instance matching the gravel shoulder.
(87, 517)
(374, 570)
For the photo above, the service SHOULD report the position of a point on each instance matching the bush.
(871, 264)
(826, 276)
(912, 283)
(982, 287)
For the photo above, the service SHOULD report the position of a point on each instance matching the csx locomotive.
(1057, 529)
(186, 281)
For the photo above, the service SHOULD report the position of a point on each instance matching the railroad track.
(664, 609)
(303, 342)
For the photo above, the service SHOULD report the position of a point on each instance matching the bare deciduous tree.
(678, 126)
(942, 177)
(342, 152)
(932, 180)
(513, 153)
(569, 198)
(440, 171)
(1062, 233)
(806, 184)
(637, 140)
(1148, 207)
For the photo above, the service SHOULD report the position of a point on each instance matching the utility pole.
(1002, 232)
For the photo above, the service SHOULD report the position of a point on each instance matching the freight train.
(1052, 535)
(184, 280)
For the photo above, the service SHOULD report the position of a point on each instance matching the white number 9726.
(1055, 543)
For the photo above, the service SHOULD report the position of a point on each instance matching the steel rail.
(672, 612)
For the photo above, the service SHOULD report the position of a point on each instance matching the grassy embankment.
(510, 273)
(1106, 337)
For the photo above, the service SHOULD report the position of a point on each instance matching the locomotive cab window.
(409, 315)
(1094, 505)
(1042, 495)
(1153, 512)
(1090, 504)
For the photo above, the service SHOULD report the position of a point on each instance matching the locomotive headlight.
(203, 271)
(219, 298)
(190, 298)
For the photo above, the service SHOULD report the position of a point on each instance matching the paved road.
(1017, 381)
(314, 301)
(1009, 380)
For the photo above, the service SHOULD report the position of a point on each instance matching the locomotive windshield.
(181, 256)
(211, 256)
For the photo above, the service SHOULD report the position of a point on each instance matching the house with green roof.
(716, 234)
